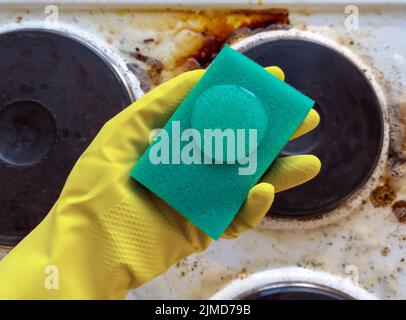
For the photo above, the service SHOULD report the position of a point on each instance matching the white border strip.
(215, 4)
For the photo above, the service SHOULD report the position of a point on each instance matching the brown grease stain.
(216, 28)
(399, 210)
(220, 30)
(383, 195)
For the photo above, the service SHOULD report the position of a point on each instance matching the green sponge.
(242, 103)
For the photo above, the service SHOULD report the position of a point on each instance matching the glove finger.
(258, 202)
(277, 72)
(309, 123)
(289, 172)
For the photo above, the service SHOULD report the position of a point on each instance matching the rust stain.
(399, 210)
(383, 195)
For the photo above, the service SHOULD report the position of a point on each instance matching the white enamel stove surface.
(366, 245)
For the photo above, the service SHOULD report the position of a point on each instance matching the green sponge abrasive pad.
(221, 140)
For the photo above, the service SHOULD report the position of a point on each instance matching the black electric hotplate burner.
(349, 138)
(55, 94)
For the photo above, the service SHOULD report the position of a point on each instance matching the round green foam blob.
(227, 107)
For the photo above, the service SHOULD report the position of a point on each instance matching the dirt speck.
(383, 195)
(385, 251)
(242, 274)
(399, 210)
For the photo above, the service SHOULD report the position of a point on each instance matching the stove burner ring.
(52, 104)
(352, 138)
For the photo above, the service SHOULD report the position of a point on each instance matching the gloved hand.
(106, 233)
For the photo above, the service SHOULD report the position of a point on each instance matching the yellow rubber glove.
(107, 233)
